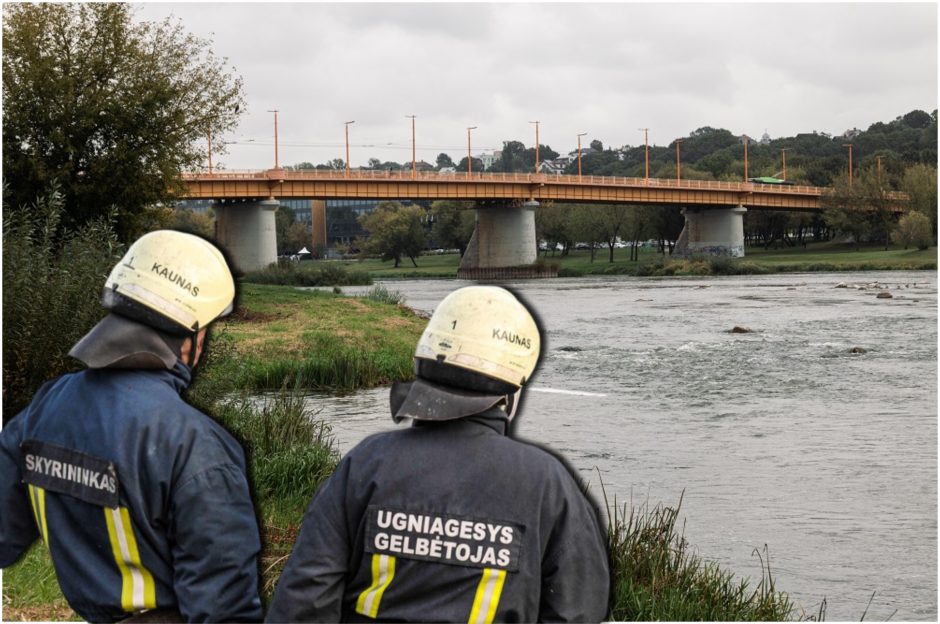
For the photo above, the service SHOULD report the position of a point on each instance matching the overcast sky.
(605, 69)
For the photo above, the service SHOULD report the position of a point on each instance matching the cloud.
(603, 68)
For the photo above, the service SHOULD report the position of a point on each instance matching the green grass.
(431, 266)
(279, 335)
(31, 591)
(656, 576)
(816, 257)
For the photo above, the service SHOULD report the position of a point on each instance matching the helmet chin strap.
(511, 406)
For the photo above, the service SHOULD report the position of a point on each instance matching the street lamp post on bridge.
(469, 154)
(783, 155)
(747, 140)
(414, 166)
(849, 145)
(536, 145)
(277, 162)
(210, 150)
(579, 154)
(678, 165)
(347, 123)
(646, 142)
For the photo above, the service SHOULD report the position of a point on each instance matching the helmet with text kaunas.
(172, 281)
(479, 349)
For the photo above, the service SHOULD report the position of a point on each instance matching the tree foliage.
(914, 228)
(443, 160)
(110, 109)
(198, 223)
(394, 231)
(920, 183)
(283, 219)
(847, 209)
(453, 224)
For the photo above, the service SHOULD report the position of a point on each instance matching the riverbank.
(280, 335)
(816, 257)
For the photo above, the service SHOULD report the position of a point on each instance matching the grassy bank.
(280, 335)
(817, 257)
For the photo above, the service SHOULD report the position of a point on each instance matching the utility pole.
(536, 145)
(783, 154)
(210, 151)
(346, 123)
(646, 142)
(277, 162)
(678, 166)
(746, 141)
(414, 166)
(469, 156)
(579, 154)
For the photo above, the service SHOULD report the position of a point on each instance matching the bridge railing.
(406, 175)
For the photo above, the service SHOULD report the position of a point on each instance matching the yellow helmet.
(170, 280)
(479, 348)
(485, 330)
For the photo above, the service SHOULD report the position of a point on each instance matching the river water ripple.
(779, 437)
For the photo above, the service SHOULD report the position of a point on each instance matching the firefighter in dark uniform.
(141, 499)
(452, 520)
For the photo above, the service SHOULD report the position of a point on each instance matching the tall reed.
(657, 576)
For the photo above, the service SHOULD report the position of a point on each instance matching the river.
(779, 437)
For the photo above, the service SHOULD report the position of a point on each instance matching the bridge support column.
(247, 232)
(712, 232)
(503, 245)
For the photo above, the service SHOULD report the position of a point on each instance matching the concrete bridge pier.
(247, 232)
(503, 245)
(712, 232)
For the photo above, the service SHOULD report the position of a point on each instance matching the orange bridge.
(338, 184)
(504, 238)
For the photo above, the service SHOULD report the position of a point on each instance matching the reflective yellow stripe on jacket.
(487, 599)
(383, 571)
(37, 497)
(137, 587)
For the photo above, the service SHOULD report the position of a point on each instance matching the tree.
(844, 211)
(299, 235)
(394, 231)
(477, 165)
(914, 228)
(111, 109)
(283, 219)
(443, 160)
(553, 225)
(453, 224)
(597, 145)
(920, 183)
(512, 158)
(199, 223)
(586, 225)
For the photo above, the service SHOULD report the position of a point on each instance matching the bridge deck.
(357, 184)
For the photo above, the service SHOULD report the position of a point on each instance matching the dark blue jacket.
(447, 522)
(142, 499)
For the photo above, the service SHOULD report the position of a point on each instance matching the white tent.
(303, 251)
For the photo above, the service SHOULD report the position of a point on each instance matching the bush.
(383, 295)
(914, 228)
(52, 281)
(289, 273)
